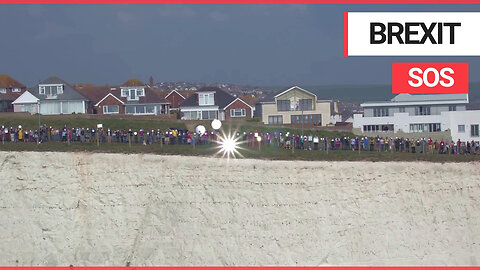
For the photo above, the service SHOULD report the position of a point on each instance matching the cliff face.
(114, 209)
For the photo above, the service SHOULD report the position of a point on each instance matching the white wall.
(62, 107)
(321, 107)
(448, 120)
(28, 107)
(467, 118)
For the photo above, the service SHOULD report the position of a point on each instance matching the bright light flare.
(228, 146)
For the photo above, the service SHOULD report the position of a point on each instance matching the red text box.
(430, 78)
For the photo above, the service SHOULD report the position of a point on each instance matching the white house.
(421, 113)
(55, 96)
(26, 102)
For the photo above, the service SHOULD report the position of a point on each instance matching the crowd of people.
(252, 139)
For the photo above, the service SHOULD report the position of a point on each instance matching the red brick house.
(110, 104)
(238, 109)
(10, 90)
(132, 98)
(175, 97)
(209, 103)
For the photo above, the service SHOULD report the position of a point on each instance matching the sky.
(256, 45)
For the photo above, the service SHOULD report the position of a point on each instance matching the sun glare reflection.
(228, 145)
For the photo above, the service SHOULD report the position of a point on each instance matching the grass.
(83, 121)
(58, 121)
(266, 152)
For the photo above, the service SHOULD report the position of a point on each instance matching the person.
(3, 134)
(316, 140)
(12, 134)
(20, 134)
(430, 145)
(287, 143)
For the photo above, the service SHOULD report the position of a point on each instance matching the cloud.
(176, 12)
(125, 17)
(218, 16)
(35, 10)
(297, 9)
(52, 30)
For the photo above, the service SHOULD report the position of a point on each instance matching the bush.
(254, 119)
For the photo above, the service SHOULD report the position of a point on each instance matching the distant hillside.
(362, 93)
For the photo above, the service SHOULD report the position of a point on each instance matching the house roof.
(239, 99)
(293, 88)
(270, 98)
(166, 93)
(69, 92)
(409, 99)
(436, 97)
(222, 98)
(186, 93)
(133, 82)
(95, 93)
(251, 100)
(26, 98)
(8, 82)
(98, 93)
(209, 89)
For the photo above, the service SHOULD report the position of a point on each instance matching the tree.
(151, 81)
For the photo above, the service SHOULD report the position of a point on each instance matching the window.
(206, 99)
(461, 128)
(305, 105)
(238, 112)
(474, 130)
(283, 105)
(132, 95)
(315, 119)
(431, 127)
(109, 109)
(130, 109)
(140, 109)
(16, 90)
(150, 109)
(50, 90)
(141, 92)
(3, 90)
(380, 112)
(368, 128)
(275, 120)
(209, 115)
(401, 109)
(190, 115)
(452, 108)
(422, 110)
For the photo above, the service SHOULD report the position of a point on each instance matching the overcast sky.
(262, 45)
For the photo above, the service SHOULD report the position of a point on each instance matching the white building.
(421, 113)
(55, 96)
(295, 105)
(26, 103)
